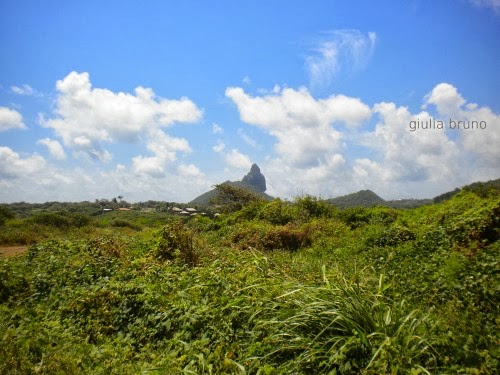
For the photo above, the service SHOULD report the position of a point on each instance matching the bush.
(120, 223)
(5, 214)
(392, 236)
(61, 219)
(176, 242)
(312, 207)
(287, 237)
(277, 212)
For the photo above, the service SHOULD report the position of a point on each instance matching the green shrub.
(355, 217)
(176, 242)
(51, 219)
(287, 237)
(5, 214)
(313, 207)
(391, 236)
(61, 219)
(277, 212)
(120, 223)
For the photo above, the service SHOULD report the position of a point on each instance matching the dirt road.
(10, 251)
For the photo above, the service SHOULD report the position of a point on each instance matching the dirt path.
(10, 251)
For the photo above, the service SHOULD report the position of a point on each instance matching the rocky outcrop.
(255, 179)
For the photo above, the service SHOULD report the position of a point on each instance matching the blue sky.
(162, 99)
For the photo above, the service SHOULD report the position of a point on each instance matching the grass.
(371, 291)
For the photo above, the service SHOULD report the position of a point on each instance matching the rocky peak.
(255, 178)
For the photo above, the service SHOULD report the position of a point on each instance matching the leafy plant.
(175, 242)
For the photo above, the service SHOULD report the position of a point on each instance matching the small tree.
(233, 198)
(5, 214)
(175, 242)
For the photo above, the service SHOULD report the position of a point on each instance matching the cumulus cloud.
(301, 124)
(86, 117)
(446, 98)
(189, 170)
(450, 105)
(12, 165)
(314, 138)
(338, 52)
(10, 119)
(290, 107)
(54, 147)
(31, 178)
(236, 159)
(233, 158)
(427, 161)
(407, 156)
(164, 148)
(308, 131)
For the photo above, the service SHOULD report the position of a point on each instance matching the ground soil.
(10, 251)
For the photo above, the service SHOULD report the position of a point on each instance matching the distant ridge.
(365, 198)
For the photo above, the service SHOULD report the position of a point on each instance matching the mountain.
(480, 188)
(365, 198)
(253, 181)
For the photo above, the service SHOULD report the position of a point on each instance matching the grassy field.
(273, 288)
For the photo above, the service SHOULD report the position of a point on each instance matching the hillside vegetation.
(272, 287)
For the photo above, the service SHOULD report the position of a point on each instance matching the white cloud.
(301, 124)
(164, 148)
(312, 145)
(236, 159)
(10, 119)
(219, 147)
(23, 90)
(233, 158)
(450, 105)
(425, 162)
(338, 52)
(12, 165)
(153, 166)
(446, 98)
(86, 117)
(426, 155)
(31, 178)
(54, 147)
(217, 129)
(189, 170)
(309, 147)
(290, 107)
(246, 80)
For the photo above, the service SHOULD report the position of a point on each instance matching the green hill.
(365, 198)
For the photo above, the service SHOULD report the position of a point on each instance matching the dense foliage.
(268, 288)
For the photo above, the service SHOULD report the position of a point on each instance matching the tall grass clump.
(348, 328)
